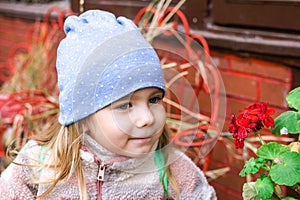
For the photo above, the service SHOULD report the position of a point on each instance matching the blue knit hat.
(102, 59)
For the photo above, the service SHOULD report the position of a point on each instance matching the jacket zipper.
(100, 178)
(101, 169)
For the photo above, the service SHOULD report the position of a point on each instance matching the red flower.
(252, 119)
(239, 143)
(261, 111)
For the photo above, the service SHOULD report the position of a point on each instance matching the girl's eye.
(154, 100)
(124, 106)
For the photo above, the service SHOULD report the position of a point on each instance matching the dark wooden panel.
(75, 6)
(119, 8)
(193, 10)
(265, 14)
(196, 13)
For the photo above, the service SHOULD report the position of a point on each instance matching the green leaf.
(287, 172)
(288, 198)
(249, 191)
(293, 98)
(287, 120)
(272, 150)
(252, 166)
(264, 186)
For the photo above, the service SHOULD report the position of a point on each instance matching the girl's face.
(132, 125)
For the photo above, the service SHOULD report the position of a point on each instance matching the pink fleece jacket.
(107, 176)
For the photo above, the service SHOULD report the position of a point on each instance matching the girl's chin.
(138, 147)
(138, 152)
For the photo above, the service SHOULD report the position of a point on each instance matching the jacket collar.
(91, 151)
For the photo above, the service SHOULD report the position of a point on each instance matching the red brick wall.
(12, 31)
(246, 81)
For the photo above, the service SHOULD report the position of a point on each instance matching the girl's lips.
(141, 140)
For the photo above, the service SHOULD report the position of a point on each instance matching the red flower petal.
(242, 133)
(270, 111)
(268, 121)
(239, 143)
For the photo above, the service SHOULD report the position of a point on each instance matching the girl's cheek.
(122, 122)
(160, 115)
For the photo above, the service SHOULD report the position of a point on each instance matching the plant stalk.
(260, 138)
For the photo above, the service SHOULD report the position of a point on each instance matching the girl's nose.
(144, 117)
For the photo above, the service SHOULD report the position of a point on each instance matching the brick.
(220, 61)
(226, 125)
(253, 66)
(232, 157)
(4, 49)
(13, 36)
(221, 114)
(232, 181)
(14, 27)
(208, 102)
(274, 93)
(12, 31)
(224, 193)
(239, 85)
(278, 111)
(235, 105)
(13, 23)
(205, 102)
(261, 68)
(228, 186)
(219, 155)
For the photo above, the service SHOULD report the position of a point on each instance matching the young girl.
(111, 141)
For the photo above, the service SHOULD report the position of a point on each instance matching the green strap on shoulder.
(159, 159)
(42, 155)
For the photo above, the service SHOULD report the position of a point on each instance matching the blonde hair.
(64, 144)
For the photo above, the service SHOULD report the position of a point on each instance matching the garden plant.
(276, 164)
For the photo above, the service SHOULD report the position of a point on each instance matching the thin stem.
(260, 138)
(266, 167)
